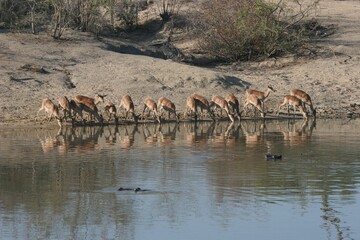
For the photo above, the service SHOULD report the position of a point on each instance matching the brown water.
(204, 181)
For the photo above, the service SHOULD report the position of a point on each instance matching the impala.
(167, 105)
(260, 95)
(150, 104)
(305, 98)
(89, 104)
(51, 109)
(190, 106)
(128, 105)
(93, 112)
(64, 104)
(76, 109)
(220, 102)
(234, 104)
(295, 102)
(203, 103)
(253, 100)
(110, 109)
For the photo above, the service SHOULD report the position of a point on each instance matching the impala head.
(136, 118)
(271, 88)
(99, 98)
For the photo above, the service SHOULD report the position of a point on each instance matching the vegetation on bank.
(227, 29)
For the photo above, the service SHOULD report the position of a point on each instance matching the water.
(204, 181)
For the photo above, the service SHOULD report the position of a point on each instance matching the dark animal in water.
(132, 189)
(269, 157)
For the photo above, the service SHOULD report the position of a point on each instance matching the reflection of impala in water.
(127, 139)
(49, 142)
(150, 137)
(162, 134)
(198, 132)
(224, 134)
(110, 134)
(80, 139)
(254, 131)
(167, 135)
(298, 134)
(124, 135)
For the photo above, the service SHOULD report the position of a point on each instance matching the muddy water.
(204, 181)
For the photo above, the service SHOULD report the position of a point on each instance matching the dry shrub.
(248, 29)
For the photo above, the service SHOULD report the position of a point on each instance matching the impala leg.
(143, 112)
(50, 117)
(294, 110)
(288, 109)
(37, 114)
(280, 106)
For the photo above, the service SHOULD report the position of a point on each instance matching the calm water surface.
(204, 181)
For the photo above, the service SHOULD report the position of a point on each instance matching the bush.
(127, 11)
(21, 14)
(168, 8)
(248, 29)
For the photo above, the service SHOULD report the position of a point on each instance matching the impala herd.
(75, 107)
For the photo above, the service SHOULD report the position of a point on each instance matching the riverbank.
(33, 67)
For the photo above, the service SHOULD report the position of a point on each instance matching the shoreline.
(123, 122)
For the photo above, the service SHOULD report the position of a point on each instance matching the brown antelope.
(190, 106)
(151, 105)
(203, 103)
(64, 104)
(93, 112)
(234, 104)
(167, 105)
(51, 109)
(128, 105)
(260, 95)
(295, 103)
(220, 102)
(110, 109)
(89, 105)
(76, 109)
(305, 98)
(253, 100)
(89, 102)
